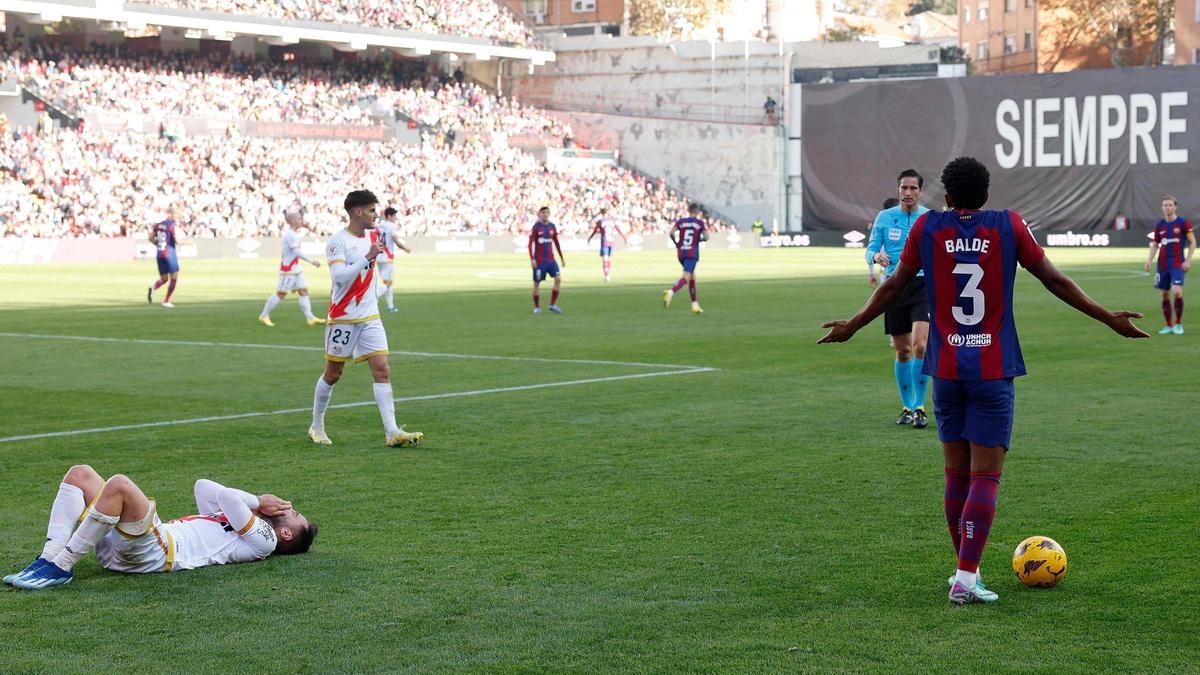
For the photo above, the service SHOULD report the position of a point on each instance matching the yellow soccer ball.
(1040, 562)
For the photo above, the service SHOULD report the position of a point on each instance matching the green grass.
(765, 516)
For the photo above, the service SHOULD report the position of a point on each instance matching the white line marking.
(405, 399)
(250, 345)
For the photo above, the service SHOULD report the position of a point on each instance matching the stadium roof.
(221, 26)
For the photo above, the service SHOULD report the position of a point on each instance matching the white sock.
(387, 407)
(68, 507)
(391, 305)
(966, 579)
(320, 402)
(95, 527)
(306, 307)
(271, 302)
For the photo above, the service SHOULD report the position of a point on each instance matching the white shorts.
(386, 270)
(138, 548)
(358, 341)
(292, 281)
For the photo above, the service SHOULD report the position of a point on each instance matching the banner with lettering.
(1068, 151)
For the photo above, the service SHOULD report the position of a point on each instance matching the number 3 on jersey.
(970, 292)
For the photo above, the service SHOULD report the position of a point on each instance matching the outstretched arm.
(887, 293)
(593, 234)
(1065, 289)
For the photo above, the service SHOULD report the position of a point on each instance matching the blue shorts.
(979, 411)
(1163, 281)
(168, 264)
(549, 269)
(689, 264)
(605, 251)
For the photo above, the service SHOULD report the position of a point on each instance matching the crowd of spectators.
(466, 18)
(73, 183)
(186, 84)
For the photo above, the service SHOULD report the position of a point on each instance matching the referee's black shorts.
(912, 305)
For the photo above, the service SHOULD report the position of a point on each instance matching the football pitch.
(621, 488)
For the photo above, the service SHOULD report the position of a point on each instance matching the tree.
(1127, 28)
(843, 33)
(674, 19)
(939, 6)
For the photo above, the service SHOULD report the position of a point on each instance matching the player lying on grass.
(116, 520)
(969, 257)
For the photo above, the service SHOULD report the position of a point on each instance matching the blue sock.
(920, 383)
(904, 381)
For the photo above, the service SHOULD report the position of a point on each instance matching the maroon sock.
(692, 289)
(158, 284)
(978, 512)
(1166, 305)
(170, 290)
(679, 284)
(537, 300)
(958, 485)
(1179, 309)
(554, 297)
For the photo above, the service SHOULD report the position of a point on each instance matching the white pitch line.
(251, 345)
(405, 399)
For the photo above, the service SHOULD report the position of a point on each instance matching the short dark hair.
(360, 198)
(890, 202)
(693, 208)
(911, 173)
(966, 180)
(543, 208)
(389, 212)
(300, 542)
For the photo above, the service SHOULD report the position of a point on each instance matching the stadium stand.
(468, 18)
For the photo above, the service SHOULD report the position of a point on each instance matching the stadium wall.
(732, 168)
(1068, 151)
(16, 251)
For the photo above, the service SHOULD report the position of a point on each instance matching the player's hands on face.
(839, 331)
(1121, 324)
(270, 505)
(373, 252)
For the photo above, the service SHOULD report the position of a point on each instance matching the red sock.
(958, 485)
(158, 284)
(692, 289)
(1166, 306)
(554, 297)
(1179, 309)
(170, 290)
(537, 300)
(977, 515)
(679, 284)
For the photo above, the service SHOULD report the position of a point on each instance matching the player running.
(969, 257)
(604, 227)
(291, 276)
(116, 520)
(388, 243)
(686, 234)
(164, 239)
(354, 330)
(543, 240)
(906, 321)
(1173, 264)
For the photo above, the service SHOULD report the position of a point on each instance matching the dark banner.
(1068, 151)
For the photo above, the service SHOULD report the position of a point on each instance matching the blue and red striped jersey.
(1172, 241)
(970, 262)
(164, 238)
(541, 240)
(688, 240)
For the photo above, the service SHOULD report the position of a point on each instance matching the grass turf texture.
(765, 516)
